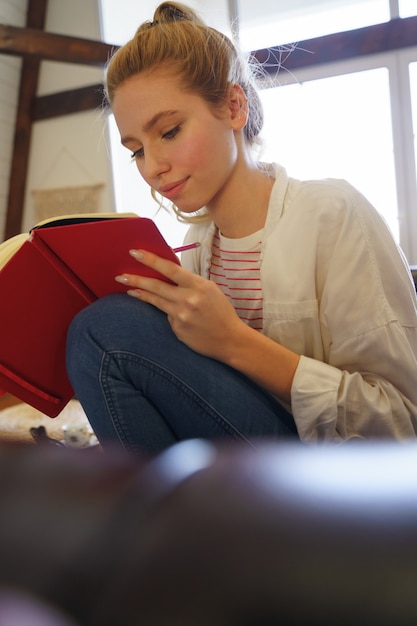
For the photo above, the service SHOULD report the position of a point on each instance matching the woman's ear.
(238, 106)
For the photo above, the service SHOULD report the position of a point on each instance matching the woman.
(295, 316)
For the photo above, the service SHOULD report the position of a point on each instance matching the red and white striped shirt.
(235, 268)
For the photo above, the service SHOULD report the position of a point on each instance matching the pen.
(190, 246)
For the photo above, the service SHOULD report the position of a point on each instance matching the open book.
(47, 276)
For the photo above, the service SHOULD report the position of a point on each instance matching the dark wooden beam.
(41, 45)
(393, 35)
(36, 16)
(67, 102)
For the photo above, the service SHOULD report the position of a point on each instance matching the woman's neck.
(243, 207)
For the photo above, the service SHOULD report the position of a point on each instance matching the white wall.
(71, 150)
(12, 13)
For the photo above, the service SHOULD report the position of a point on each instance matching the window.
(413, 90)
(268, 23)
(413, 156)
(408, 8)
(337, 127)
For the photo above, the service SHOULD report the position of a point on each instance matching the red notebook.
(61, 268)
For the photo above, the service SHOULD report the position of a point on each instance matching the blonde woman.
(295, 316)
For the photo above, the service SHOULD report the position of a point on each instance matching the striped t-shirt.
(235, 268)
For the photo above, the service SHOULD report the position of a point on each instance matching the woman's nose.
(155, 164)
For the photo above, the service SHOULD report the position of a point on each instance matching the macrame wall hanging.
(70, 200)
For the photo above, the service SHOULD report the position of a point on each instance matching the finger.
(169, 269)
(161, 303)
(154, 285)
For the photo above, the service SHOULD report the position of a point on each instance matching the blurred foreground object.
(207, 536)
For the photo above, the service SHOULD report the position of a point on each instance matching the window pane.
(268, 23)
(413, 88)
(336, 127)
(408, 8)
(120, 20)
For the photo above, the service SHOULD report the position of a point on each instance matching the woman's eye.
(136, 154)
(171, 133)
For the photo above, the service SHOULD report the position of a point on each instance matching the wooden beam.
(379, 38)
(36, 16)
(41, 45)
(67, 102)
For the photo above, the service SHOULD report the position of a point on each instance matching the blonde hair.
(206, 60)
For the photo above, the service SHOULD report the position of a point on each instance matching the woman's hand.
(199, 313)
(202, 317)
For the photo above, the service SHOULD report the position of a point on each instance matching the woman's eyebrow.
(155, 119)
(150, 124)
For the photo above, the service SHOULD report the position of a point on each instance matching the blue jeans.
(140, 386)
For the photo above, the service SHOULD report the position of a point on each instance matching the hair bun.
(174, 12)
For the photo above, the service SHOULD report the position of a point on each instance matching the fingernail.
(137, 254)
(135, 293)
(121, 279)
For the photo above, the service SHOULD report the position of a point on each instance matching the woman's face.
(183, 147)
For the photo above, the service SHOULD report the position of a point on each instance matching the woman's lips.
(171, 190)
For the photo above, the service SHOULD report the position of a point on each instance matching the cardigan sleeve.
(332, 404)
(366, 385)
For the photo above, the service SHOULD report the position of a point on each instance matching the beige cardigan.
(337, 290)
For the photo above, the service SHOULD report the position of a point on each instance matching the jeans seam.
(159, 370)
